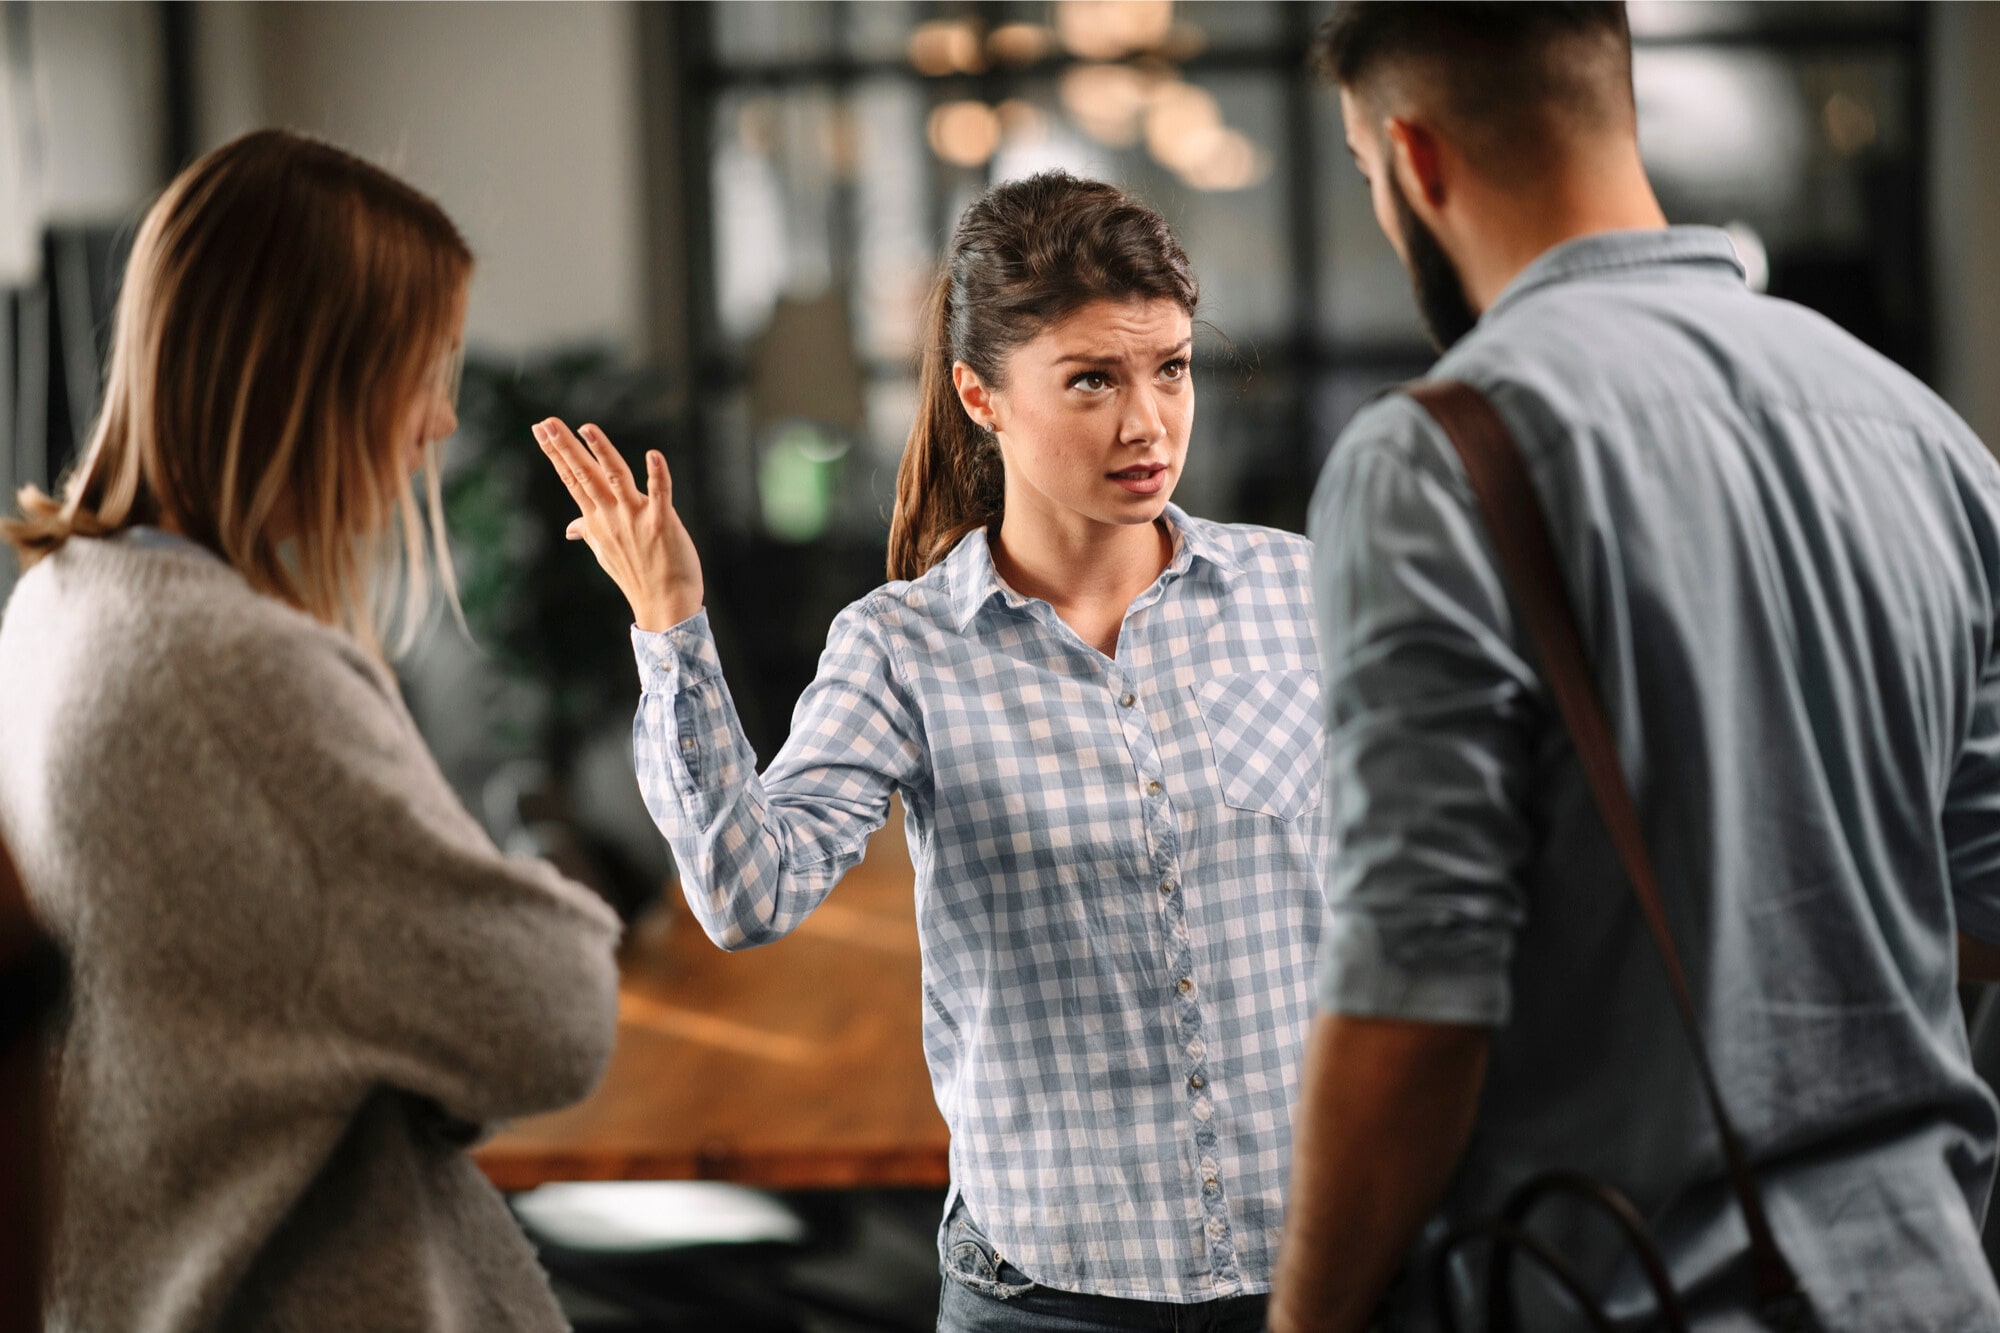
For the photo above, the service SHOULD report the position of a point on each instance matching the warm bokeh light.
(1180, 121)
(947, 46)
(840, 143)
(757, 126)
(964, 133)
(1228, 161)
(1850, 124)
(1106, 101)
(1020, 43)
(1108, 29)
(1023, 122)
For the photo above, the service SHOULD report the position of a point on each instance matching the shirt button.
(1211, 1185)
(1186, 985)
(1196, 1082)
(687, 743)
(1167, 886)
(1153, 789)
(1126, 700)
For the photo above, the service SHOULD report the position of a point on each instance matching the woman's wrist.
(658, 617)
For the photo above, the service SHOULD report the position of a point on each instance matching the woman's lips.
(1147, 480)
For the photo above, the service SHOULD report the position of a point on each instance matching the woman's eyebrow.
(1180, 348)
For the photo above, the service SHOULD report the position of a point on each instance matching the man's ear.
(974, 396)
(1417, 158)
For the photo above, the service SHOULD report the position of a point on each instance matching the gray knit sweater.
(303, 976)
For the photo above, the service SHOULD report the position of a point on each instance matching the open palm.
(635, 535)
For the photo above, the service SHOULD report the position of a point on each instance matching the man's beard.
(1441, 302)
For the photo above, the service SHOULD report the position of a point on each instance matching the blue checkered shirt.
(1117, 878)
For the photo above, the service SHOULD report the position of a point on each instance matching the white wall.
(80, 125)
(1965, 202)
(522, 120)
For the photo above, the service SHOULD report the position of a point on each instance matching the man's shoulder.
(1391, 429)
(1575, 352)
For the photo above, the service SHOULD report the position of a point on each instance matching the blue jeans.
(985, 1294)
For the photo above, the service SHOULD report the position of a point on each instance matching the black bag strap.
(1514, 519)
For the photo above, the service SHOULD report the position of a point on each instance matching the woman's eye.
(1175, 369)
(1091, 379)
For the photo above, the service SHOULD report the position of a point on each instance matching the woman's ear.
(974, 396)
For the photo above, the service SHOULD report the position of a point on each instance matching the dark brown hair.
(284, 306)
(1508, 78)
(1025, 256)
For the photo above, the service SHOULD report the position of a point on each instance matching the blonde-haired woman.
(303, 978)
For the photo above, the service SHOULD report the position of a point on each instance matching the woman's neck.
(1089, 573)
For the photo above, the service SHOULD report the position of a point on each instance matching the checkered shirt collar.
(973, 581)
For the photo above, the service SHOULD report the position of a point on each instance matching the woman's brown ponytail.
(1025, 256)
(950, 481)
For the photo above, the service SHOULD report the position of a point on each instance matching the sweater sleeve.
(484, 982)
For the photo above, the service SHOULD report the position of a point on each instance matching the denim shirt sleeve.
(757, 855)
(1430, 732)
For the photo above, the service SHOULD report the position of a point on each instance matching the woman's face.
(433, 415)
(1094, 415)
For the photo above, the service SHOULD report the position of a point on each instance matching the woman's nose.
(1143, 421)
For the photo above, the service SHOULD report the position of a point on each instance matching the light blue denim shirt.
(1118, 880)
(1784, 553)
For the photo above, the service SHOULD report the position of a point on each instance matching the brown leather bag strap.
(1514, 519)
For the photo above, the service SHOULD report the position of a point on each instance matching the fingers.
(581, 474)
(611, 461)
(658, 481)
(574, 532)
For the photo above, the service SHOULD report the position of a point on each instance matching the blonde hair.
(285, 308)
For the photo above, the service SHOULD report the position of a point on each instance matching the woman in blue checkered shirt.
(1103, 718)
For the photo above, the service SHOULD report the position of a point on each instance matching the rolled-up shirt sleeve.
(758, 854)
(1431, 715)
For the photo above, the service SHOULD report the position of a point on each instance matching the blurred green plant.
(550, 625)
(537, 603)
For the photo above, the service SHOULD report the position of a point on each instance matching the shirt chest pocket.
(1268, 737)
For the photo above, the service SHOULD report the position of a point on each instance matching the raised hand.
(635, 535)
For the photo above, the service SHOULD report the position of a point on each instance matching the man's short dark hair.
(1507, 79)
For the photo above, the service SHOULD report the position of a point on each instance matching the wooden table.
(797, 1065)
